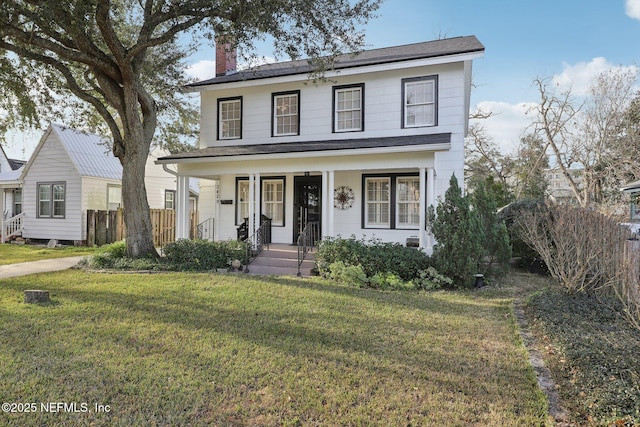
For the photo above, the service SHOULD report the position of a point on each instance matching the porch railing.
(256, 243)
(11, 227)
(205, 229)
(306, 240)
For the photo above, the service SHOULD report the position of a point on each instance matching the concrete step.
(282, 260)
(277, 271)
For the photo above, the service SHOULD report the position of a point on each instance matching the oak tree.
(123, 60)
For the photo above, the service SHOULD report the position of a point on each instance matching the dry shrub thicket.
(586, 252)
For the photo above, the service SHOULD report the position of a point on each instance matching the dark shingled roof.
(313, 146)
(16, 164)
(431, 49)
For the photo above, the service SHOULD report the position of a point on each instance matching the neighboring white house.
(363, 152)
(71, 172)
(10, 190)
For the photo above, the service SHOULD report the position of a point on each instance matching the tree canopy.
(118, 65)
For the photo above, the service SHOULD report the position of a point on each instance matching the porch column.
(331, 209)
(326, 203)
(182, 207)
(422, 235)
(431, 201)
(252, 201)
(2, 196)
(216, 212)
(258, 194)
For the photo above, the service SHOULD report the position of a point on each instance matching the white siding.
(52, 164)
(157, 180)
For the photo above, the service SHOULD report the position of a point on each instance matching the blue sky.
(567, 40)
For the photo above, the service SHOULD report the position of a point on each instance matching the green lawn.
(201, 349)
(13, 254)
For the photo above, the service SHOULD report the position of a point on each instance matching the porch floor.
(282, 260)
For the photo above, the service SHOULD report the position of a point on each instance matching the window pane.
(243, 200)
(230, 119)
(44, 200)
(286, 115)
(378, 195)
(273, 201)
(58, 200)
(408, 201)
(348, 111)
(419, 103)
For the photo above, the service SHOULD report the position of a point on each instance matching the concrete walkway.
(34, 267)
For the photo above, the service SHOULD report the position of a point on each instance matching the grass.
(593, 353)
(227, 350)
(13, 254)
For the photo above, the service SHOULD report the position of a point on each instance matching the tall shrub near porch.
(457, 232)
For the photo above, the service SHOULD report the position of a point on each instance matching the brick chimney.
(225, 57)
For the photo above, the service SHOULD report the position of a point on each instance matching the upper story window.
(348, 108)
(230, 118)
(286, 114)
(51, 200)
(419, 102)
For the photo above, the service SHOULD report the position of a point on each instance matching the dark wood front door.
(307, 203)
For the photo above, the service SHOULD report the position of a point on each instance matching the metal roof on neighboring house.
(89, 152)
(631, 187)
(424, 50)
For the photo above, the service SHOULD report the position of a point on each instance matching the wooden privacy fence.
(105, 227)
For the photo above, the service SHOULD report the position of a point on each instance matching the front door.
(307, 203)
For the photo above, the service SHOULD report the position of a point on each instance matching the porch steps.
(281, 260)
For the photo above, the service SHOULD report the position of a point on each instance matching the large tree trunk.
(137, 218)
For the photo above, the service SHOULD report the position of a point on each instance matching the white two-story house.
(363, 152)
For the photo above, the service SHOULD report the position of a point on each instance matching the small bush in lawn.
(388, 281)
(108, 255)
(347, 274)
(431, 280)
(202, 255)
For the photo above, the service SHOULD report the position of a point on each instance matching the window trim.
(219, 136)
(51, 213)
(274, 125)
(334, 109)
(403, 104)
(393, 201)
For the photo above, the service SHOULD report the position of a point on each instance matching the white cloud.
(202, 70)
(507, 124)
(632, 8)
(579, 77)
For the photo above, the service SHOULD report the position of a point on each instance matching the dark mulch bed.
(593, 353)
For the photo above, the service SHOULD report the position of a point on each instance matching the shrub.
(114, 256)
(431, 280)
(347, 274)
(202, 255)
(374, 256)
(457, 233)
(509, 215)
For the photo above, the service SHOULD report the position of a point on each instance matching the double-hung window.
(17, 202)
(407, 202)
(51, 200)
(230, 118)
(114, 197)
(286, 114)
(169, 199)
(242, 200)
(377, 205)
(391, 201)
(420, 102)
(273, 200)
(348, 108)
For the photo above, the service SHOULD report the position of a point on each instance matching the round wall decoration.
(343, 198)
